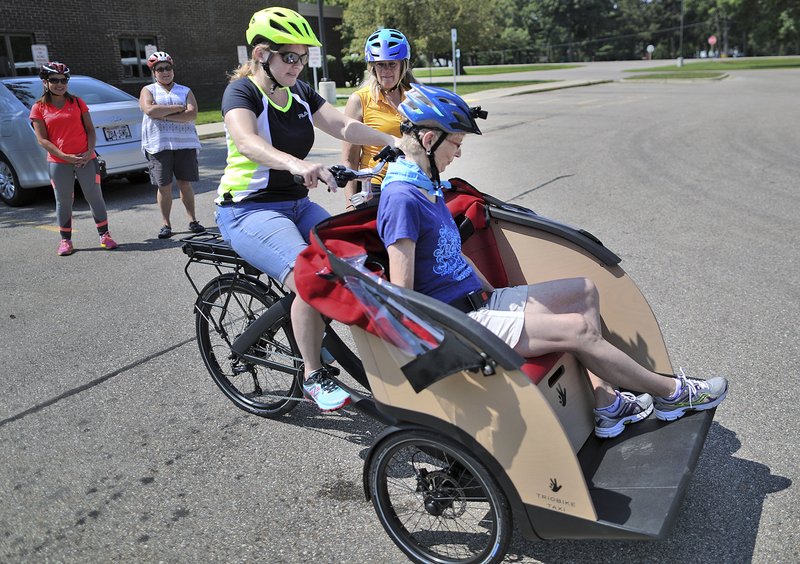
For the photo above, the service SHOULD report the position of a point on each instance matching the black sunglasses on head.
(292, 58)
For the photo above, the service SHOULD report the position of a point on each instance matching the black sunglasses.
(292, 58)
(57, 80)
(163, 69)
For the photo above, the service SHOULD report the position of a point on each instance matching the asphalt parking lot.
(118, 447)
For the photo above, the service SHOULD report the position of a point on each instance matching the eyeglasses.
(163, 69)
(458, 145)
(57, 80)
(292, 58)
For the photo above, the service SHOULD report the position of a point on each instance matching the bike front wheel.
(226, 307)
(437, 502)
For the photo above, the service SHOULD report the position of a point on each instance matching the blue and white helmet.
(387, 45)
(437, 108)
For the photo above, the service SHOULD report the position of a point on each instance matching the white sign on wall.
(315, 57)
(241, 52)
(40, 55)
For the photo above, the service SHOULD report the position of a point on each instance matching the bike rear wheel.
(437, 502)
(226, 307)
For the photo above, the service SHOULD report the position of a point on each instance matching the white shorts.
(504, 314)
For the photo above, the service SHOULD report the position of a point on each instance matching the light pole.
(322, 40)
(680, 49)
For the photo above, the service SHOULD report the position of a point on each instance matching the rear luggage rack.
(210, 247)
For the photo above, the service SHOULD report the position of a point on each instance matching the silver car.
(23, 163)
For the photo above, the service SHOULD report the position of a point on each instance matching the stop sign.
(712, 40)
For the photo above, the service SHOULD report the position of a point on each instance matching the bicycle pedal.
(238, 368)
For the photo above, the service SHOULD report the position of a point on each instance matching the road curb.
(723, 76)
(212, 134)
(549, 88)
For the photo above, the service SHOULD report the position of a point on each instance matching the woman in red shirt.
(65, 129)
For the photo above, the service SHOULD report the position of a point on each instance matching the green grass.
(491, 69)
(462, 87)
(724, 65)
(676, 75)
(210, 113)
(208, 116)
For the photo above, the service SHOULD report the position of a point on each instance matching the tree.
(426, 24)
(577, 30)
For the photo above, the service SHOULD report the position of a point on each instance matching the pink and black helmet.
(158, 57)
(53, 67)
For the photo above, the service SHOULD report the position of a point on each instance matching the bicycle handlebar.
(342, 174)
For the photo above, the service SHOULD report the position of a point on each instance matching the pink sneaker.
(65, 248)
(107, 242)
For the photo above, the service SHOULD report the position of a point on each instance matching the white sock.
(678, 388)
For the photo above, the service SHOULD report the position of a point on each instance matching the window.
(132, 52)
(16, 58)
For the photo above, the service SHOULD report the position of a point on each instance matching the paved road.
(116, 446)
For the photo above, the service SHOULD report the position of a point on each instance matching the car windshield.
(90, 90)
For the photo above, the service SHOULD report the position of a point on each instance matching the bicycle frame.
(210, 249)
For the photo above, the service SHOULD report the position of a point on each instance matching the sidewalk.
(210, 130)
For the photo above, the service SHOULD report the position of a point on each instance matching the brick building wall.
(202, 36)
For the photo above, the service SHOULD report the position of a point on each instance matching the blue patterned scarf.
(408, 171)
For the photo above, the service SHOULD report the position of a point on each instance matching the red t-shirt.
(64, 126)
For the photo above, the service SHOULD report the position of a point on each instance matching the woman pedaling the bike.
(262, 211)
(424, 250)
(387, 53)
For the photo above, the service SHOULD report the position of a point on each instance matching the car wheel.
(138, 177)
(10, 191)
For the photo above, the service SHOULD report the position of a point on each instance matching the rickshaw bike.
(478, 440)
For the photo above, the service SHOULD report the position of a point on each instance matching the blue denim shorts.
(270, 235)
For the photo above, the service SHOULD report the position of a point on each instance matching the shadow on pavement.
(153, 244)
(120, 194)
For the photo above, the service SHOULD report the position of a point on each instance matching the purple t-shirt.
(440, 270)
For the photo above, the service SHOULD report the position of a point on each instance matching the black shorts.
(180, 163)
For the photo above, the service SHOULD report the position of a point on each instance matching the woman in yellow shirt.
(389, 76)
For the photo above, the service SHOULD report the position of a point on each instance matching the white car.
(23, 163)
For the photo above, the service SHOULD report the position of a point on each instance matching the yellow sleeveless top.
(380, 115)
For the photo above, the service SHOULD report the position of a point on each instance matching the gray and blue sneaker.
(694, 395)
(609, 424)
(324, 391)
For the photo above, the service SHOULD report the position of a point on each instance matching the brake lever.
(388, 154)
(341, 174)
(302, 181)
